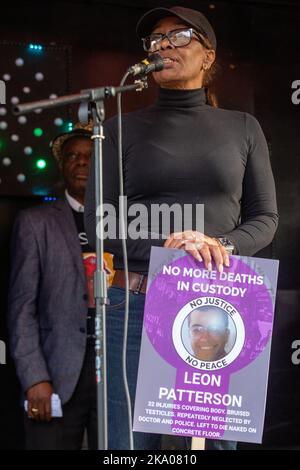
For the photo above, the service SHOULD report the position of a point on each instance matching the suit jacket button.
(85, 297)
(82, 330)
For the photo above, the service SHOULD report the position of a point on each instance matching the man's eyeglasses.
(212, 330)
(177, 38)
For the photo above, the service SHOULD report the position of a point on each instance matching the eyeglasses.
(177, 38)
(212, 330)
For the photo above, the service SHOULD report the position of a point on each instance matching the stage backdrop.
(31, 72)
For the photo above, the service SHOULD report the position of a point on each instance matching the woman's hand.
(202, 247)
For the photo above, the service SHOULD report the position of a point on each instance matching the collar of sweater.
(168, 97)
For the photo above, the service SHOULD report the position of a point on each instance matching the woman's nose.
(165, 44)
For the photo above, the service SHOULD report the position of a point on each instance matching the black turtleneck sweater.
(181, 150)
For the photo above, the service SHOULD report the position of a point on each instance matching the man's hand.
(202, 247)
(39, 401)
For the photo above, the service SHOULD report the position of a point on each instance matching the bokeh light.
(41, 164)
(38, 132)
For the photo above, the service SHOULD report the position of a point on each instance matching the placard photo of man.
(211, 333)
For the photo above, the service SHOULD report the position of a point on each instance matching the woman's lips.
(169, 62)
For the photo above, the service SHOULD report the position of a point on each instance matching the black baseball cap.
(192, 18)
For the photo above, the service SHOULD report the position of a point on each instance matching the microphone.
(154, 63)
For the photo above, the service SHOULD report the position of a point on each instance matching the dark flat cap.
(192, 18)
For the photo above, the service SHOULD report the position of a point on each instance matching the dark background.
(259, 58)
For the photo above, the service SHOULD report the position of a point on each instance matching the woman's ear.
(210, 57)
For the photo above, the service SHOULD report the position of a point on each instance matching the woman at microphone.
(181, 150)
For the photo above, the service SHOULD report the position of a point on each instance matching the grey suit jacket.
(47, 298)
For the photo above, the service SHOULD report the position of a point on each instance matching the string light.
(41, 164)
(35, 47)
(38, 132)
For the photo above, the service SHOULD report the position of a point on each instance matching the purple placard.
(205, 350)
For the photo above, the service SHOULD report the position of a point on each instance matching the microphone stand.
(92, 104)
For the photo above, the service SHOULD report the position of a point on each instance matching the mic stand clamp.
(142, 83)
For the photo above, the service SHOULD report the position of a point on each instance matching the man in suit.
(51, 307)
